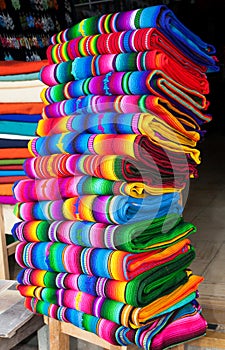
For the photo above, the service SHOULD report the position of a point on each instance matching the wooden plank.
(4, 270)
(13, 314)
(58, 340)
(11, 248)
(213, 339)
(35, 323)
(76, 332)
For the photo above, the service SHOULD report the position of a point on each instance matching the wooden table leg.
(57, 339)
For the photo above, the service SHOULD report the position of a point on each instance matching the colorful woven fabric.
(140, 291)
(157, 158)
(153, 82)
(106, 209)
(56, 73)
(139, 147)
(146, 288)
(86, 67)
(52, 189)
(102, 240)
(139, 40)
(124, 104)
(113, 264)
(146, 235)
(159, 17)
(116, 311)
(110, 167)
(168, 330)
(154, 127)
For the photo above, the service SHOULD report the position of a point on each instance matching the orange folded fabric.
(12, 153)
(6, 189)
(20, 67)
(21, 108)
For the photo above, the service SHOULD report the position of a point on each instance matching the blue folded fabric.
(29, 118)
(12, 173)
(192, 45)
(19, 128)
(19, 77)
(13, 143)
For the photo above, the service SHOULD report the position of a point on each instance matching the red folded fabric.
(11, 179)
(21, 67)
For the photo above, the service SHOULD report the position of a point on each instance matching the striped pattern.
(103, 243)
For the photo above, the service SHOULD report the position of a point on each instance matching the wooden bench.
(60, 333)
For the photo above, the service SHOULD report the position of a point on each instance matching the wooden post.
(57, 339)
(4, 271)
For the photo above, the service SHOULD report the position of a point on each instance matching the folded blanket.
(6, 189)
(18, 128)
(21, 91)
(146, 287)
(168, 330)
(7, 200)
(11, 179)
(4, 173)
(126, 104)
(86, 67)
(20, 117)
(140, 291)
(54, 74)
(144, 236)
(19, 67)
(115, 311)
(136, 146)
(6, 143)
(11, 153)
(11, 167)
(160, 17)
(21, 107)
(109, 167)
(19, 77)
(113, 264)
(6, 162)
(132, 40)
(155, 128)
(155, 83)
(106, 209)
(52, 189)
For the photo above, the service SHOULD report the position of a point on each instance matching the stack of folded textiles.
(103, 243)
(20, 111)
